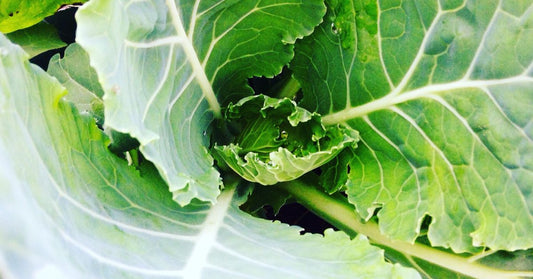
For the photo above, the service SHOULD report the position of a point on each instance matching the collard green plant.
(404, 124)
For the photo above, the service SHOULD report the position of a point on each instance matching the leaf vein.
(393, 145)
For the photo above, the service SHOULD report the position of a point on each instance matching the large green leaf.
(442, 94)
(164, 64)
(19, 14)
(70, 209)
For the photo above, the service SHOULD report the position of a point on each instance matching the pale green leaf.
(165, 67)
(37, 39)
(76, 75)
(442, 94)
(85, 92)
(70, 209)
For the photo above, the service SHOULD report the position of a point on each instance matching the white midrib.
(427, 91)
(206, 239)
(192, 57)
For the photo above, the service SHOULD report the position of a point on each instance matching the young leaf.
(167, 66)
(278, 140)
(71, 209)
(442, 95)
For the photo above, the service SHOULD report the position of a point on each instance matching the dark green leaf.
(37, 38)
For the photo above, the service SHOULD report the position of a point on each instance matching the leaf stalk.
(290, 88)
(342, 215)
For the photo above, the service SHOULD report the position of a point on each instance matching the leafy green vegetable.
(37, 39)
(164, 66)
(96, 217)
(436, 94)
(441, 95)
(278, 141)
(20, 14)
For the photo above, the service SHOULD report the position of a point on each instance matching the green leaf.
(442, 95)
(261, 196)
(335, 172)
(425, 269)
(71, 209)
(519, 260)
(37, 38)
(517, 264)
(20, 14)
(85, 92)
(278, 140)
(166, 67)
(76, 75)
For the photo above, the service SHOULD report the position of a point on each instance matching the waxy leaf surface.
(167, 66)
(442, 95)
(81, 81)
(71, 209)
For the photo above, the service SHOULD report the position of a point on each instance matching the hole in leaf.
(268, 202)
(334, 29)
(272, 86)
(65, 24)
(295, 214)
(425, 225)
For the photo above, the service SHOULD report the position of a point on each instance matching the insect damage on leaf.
(274, 140)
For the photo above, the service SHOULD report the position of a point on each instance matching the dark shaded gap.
(65, 23)
(295, 214)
